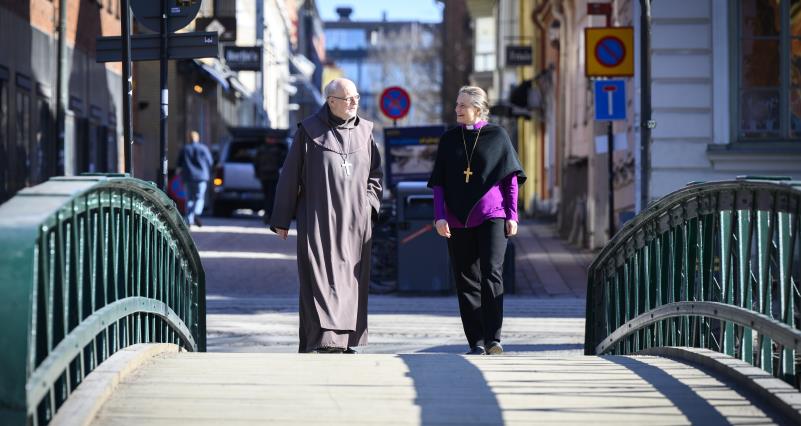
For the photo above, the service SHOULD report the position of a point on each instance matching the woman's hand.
(511, 228)
(282, 233)
(442, 228)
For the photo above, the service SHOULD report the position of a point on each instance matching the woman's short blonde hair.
(478, 99)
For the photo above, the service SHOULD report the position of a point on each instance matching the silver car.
(234, 184)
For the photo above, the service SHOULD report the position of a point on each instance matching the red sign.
(395, 102)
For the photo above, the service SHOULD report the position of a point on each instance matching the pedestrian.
(194, 167)
(475, 180)
(331, 182)
(267, 165)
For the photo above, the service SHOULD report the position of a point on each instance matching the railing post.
(787, 359)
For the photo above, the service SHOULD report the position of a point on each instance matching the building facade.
(379, 54)
(30, 151)
(724, 102)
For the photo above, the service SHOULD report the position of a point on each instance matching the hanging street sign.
(395, 102)
(224, 26)
(147, 47)
(609, 52)
(518, 55)
(243, 58)
(179, 13)
(610, 100)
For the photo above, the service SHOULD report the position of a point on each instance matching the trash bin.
(423, 265)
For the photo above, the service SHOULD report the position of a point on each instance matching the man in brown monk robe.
(331, 183)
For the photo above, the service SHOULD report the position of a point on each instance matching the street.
(251, 286)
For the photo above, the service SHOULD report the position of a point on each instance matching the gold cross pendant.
(467, 174)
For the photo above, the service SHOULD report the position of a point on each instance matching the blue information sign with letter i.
(610, 100)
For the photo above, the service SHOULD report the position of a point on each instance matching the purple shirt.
(499, 202)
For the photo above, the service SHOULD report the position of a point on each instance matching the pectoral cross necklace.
(468, 172)
(346, 166)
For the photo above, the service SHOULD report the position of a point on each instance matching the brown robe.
(333, 214)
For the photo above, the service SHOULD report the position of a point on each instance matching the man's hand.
(282, 233)
(442, 228)
(511, 228)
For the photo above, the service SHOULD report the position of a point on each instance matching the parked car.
(235, 185)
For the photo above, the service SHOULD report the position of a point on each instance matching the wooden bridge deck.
(424, 389)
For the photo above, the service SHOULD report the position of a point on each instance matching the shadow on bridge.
(693, 406)
(443, 384)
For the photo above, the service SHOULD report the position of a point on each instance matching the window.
(43, 150)
(769, 80)
(5, 158)
(342, 38)
(484, 59)
(23, 138)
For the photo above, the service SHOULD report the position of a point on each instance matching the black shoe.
(197, 221)
(350, 350)
(328, 350)
(494, 348)
(478, 350)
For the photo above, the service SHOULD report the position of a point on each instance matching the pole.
(64, 117)
(127, 87)
(645, 102)
(610, 149)
(260, 44)
(163, 74)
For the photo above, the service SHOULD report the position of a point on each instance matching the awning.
(306, 93)
(303, 65)
(213, 71)
(239, 87)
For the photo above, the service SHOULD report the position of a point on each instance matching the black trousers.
(477, 260)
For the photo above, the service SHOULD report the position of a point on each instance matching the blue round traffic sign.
(395, 102)
(610, 51)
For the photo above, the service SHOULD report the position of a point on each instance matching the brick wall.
(86, 19)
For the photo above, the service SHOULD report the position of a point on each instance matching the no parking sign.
(609, 51)
(395, 102)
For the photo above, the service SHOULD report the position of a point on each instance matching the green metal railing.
(714, 265)
(88, 266)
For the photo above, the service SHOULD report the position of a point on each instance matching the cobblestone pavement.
(251, 283)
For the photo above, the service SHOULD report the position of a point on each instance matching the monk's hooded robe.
(331, 183)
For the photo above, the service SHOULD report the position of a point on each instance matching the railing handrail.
(660, 207)
(90, 264)
(730, 246)
(781, 333)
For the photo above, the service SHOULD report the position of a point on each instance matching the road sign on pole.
(610, 105)
(146, 47)
(610, 100)
(179, 13)
(395, 102)
(163, 17)
(609, 52)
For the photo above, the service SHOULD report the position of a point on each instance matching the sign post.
(127, 86)
(395, 103)
(610, 106)
(163, 17)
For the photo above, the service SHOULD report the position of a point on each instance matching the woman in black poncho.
(475, 181)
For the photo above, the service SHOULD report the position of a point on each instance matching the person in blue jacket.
(194, 165)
